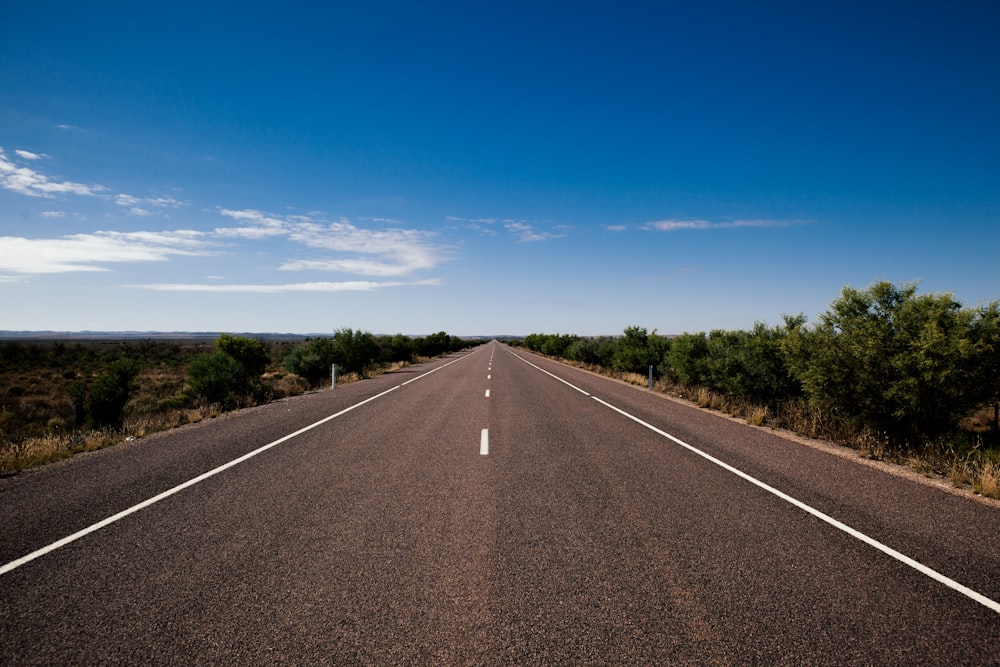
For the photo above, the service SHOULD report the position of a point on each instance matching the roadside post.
(333, 376)
(651, 377)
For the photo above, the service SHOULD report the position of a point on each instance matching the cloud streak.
(341, 286)
(27, 181)
(526, 233)
(521, 230)
(89, 252)
(142, 206)
(388, 251)
(672, 225)
(379, 252)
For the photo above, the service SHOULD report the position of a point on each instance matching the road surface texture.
(489, 508)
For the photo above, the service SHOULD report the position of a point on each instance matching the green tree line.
(234, 369)
(887, 358)
(101, 380)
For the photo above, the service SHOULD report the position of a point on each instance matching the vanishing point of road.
(489, 508)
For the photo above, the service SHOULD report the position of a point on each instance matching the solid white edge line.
(38, 553)
(870, 541)
(568, 384)
(484, 442)
(435, 370)
(889, 551)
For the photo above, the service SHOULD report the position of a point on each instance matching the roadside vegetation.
(58, 398)
(900, 376)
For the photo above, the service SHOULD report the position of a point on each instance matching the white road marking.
(484, 442)
(870, 541)
(489, 377)
(38, 553)
(487, 393)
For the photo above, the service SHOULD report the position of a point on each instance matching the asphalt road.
(560, 518)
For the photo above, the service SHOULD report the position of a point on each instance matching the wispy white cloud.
(143, 206)
(28, 155)
(90, 252)
(341, 286)
(523, 231)
(527, 233)
(476, 221)
(672, 225)
(385, 250)
(616, 228)
(27, 181)
(485, 226)
(157, 202)
(361, 267)
(256, 225)
(384, 221)
(379, 252)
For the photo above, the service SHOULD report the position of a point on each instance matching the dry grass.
(987, 481)
(37, 418)
(635, 378)
(37, 450)
(45, 449)
(757, 416)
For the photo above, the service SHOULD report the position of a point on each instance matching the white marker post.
(333, 376)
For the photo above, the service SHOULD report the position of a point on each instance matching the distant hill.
(180, 335)
(141, 335)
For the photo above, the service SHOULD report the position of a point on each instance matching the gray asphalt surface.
(384, 536)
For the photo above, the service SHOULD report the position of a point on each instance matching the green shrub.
(687, 361)
(250, 353)
(355, 351)
(216, 377)
(752, 364)
(905, 364)
(110, 392)
(311, 360)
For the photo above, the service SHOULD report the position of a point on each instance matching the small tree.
(397, 348)
(752, 363)
(355, 351)
(216, 377)
(632, 353)
(688, 360)
(110, 392)
(250, 353)
(435, 344)
(907, 364)
(312, 360)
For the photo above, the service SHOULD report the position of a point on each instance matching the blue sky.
(490, 168)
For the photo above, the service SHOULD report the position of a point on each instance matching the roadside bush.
(687, 360)
(397, 348)
(110, 392)
(438, 343)
(906, 364)
(232, 371)
(216, 377)
(311, 360)
(355, 351)
(584, 350)
(636, 351)
(250, 353)
(752, 364)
